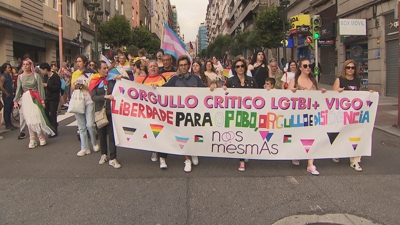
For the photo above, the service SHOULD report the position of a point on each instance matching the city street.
(51, 185)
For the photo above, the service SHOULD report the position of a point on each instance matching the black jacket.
(53, 88)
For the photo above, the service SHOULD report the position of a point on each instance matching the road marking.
(316, 208)
(73, 124)
(292, 180)
(64, 116)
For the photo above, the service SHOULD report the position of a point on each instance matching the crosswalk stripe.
(64, 116)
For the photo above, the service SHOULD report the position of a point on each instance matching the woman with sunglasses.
(349, 80)
(30, 94)
(240, 80)
(305, 80)
(80, 80)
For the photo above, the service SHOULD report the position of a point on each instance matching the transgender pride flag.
(172, 44)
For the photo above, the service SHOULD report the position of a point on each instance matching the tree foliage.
(142, 38)
(220, 45)
(239, 43)
(116, 31)
(268, 28)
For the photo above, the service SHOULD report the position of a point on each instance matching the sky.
(190, 14)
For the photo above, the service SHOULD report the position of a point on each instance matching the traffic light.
(316, 70)
(316, 27)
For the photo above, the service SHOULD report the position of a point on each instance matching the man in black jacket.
(53, 89)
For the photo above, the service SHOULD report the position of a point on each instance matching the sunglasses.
(239, 66)
(305, 66)
(350, 67)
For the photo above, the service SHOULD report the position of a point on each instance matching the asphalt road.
(51, 185)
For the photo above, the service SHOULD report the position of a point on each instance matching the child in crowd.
(269, 83)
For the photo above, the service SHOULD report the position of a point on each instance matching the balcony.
(250, 7)
(236, 6)
(316, 3)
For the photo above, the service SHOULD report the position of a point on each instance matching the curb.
(333, 219)
(387, 131)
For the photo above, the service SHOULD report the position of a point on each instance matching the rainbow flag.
(156, 129)
(225, 72)
(172, 44)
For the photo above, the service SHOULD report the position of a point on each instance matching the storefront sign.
(301, 20)
(29, 39)
(326, 43)
(328, 31)
(348, 27)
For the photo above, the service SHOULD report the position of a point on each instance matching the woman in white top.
(212, 76)
(80, 80)
(289, 75)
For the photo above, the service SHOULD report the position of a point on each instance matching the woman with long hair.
(30, 94)
(289, 74)
(211, 74)
(259, 68)
(100, 90)
(305, 80)
(198, 70)
(349, 80)
(80, 81)
(240, 80)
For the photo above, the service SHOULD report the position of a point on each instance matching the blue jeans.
(8, 107)
(86, 123)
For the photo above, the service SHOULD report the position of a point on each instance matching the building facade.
(375, 50)
(202, 41)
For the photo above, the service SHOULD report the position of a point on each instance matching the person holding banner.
(153, 78)
(305, 80)
(349, 80)
(100, 90)
(185, 79)
(80, 82)
(259, 68)
(240, 80)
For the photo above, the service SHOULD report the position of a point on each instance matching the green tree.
(142, 38)
(219, 46)
(268, 30)
(116, 31)
(239, 43)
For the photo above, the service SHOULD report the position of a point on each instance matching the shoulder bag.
(77, 103)
(100, 117)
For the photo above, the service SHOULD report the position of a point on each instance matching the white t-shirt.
(287, 77)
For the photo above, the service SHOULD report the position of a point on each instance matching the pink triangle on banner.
(122, 90)
(264, 134)
(307, 143)
(181, 145)
(128, 139)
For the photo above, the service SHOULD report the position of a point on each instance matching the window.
(71, 9)
(55, 6)
(86, 15)
(122, 8)
(116, 4)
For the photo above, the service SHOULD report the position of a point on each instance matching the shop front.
(392, 51)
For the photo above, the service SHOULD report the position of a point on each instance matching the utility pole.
(60, 32)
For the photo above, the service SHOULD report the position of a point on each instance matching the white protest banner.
(244, 123)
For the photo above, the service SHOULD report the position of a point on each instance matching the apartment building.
(202, 41)
(31, 27)
(375, 49)
(160, 15)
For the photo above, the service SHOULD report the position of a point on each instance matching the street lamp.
(96, 16)
(283, 4)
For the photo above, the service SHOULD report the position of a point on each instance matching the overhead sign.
(288, 43)
(352, 27)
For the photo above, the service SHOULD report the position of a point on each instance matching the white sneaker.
(163, 163)
(103, 159)
(96, 147)
(32, 143)
(336, 160)
(114, 163)
(195, 160)
(83, 152)
(356, 166)
(296, 162)
(154, 157)
(42, 142)
(188, 166)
